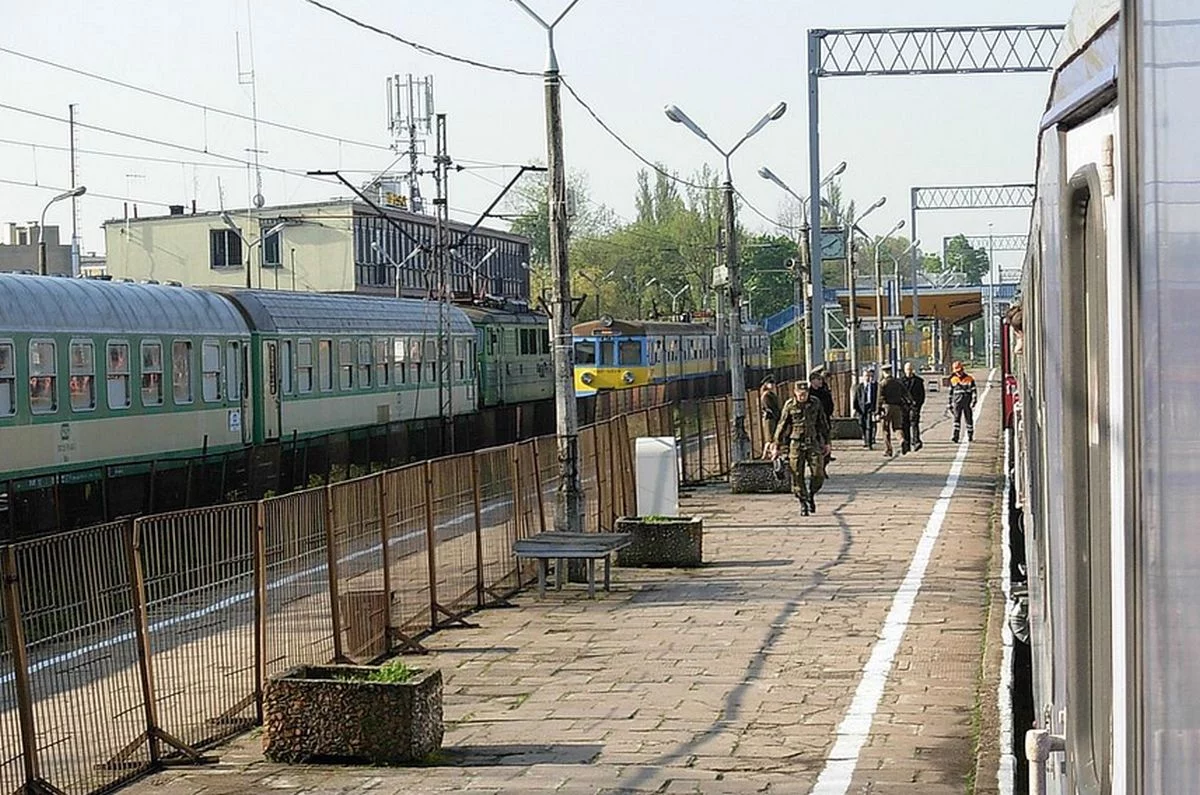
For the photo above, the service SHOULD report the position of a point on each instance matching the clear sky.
(724, 63)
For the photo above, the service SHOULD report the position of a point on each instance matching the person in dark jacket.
(820, 390)
(804, 428)
(769, 404)
(894, 404)
(915, 385)
(866, 406)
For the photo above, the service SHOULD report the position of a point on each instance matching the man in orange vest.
(962, 400)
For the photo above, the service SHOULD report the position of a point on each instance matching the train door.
(271, 398)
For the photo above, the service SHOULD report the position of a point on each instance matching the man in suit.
(866, 405)
(915, 385)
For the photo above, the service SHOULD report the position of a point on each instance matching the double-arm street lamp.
(263, 235)
(740, 447)
(897, 336)
(803, 304)
(879, 290)
(396, 266)
(70, 194)
(595, 282)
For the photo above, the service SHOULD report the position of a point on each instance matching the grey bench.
(545, 547)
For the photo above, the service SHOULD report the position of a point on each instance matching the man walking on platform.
(866, 406)
(803, 425)
(962, 401)
(768, 401)
(894, 401)
(915, 385)
(820, 390)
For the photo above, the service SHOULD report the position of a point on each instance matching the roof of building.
(46, 305)
(326, 313)
(302, 208)
(480, 314)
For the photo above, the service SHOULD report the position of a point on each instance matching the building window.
(181, 371)
(152, 371)
(118, 375)
(325, 364)
(285, 367)
(8, 380)
(304, 366)
(82, 383)
(383, 362)
(210, 368)
(346, 364)
(364, 364)
(224, 248)
(271, 247)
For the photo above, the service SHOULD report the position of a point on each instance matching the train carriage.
(514, 357)
(333, 362)
(101, 372)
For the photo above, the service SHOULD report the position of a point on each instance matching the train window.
(1086, 465)
(431, 359)
(415, 349)
(345, 364)
(364, 364)
(461, 348)
(152, 374)
(285, 366)
(210, 369)
(608, 352)
(82, 383)
(43, 377)
(630, 352)
(399, 356)
(304, 366)
(544, 335)
(585, 352)
(233, 370)
(325, 365)
(118, 375)
(181, 371)
(8, 380)
(383, 362)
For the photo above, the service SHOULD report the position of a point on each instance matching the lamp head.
(766, 173)
(778, 111)
(841, 167)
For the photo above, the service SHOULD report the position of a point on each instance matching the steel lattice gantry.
(998, 49)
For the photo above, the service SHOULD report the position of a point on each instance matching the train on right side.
(1102, 414)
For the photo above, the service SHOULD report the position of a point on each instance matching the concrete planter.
(331, 712)
(674, 542)
(758, 477)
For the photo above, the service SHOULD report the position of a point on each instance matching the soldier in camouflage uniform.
(802, 422)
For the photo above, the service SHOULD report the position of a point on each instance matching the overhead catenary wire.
(91, 193)
(191, 103)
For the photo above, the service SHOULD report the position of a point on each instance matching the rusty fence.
(142, 642)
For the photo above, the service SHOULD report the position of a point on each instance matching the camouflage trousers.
(801, 458)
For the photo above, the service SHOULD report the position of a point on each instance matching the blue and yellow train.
(620, 354)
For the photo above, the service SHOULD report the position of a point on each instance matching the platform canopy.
(951, 305)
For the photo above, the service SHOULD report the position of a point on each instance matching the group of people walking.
(803, 421)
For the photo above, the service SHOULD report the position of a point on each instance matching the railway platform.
(838, 653)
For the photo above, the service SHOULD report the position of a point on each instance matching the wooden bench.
(561, 547)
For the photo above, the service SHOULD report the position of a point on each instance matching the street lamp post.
(803, 297)
(897, 336)
(596, 285)
(851, 282)
(568, 506)
(247, 245)
(879, 294)
(70, 194)
(740, 448)
(396, 266)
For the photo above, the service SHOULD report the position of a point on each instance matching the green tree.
(961, 258)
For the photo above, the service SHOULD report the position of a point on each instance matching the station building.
(340, 246)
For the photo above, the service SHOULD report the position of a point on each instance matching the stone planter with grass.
(383, 715)
(669, 541)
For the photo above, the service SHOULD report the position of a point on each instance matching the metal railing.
(139, 642)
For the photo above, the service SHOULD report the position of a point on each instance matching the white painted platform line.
(855, 728)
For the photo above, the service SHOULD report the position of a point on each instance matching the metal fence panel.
(357, 555)
(199, 586)
(454, 533)
(409, 551)
(77, 618)
(501, 498)
(299, 628)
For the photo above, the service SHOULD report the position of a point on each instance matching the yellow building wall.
(176, 248)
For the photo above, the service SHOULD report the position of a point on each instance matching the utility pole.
(737, 369)
(442, 263)
(74, 199)
(803, 300)
(852, 332)
(568, 506)
(878, 310)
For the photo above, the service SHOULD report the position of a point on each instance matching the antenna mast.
(246, 77)
(410, 121)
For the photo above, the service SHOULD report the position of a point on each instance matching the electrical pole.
(740, 450)
(442, 263)
(878, 309)
(852, 342)
(568, 505)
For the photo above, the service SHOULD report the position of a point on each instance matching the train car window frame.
(1087, 466)
(45, 379)
(399, 360)
(325, 365)
(365, 363)
(345, 364)
(304, 367)
(383, 361)
(544, 336)
(233, 370)
(587, 347)
(151, 382)
(116, 375)
(287, 358)
(182, 393)
(431, 358)
(210, 371)
(626, 345)
(8, 378)
(81, 375)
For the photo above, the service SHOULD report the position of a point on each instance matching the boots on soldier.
(812, 505)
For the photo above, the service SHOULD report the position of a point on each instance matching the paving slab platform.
(766, 670)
